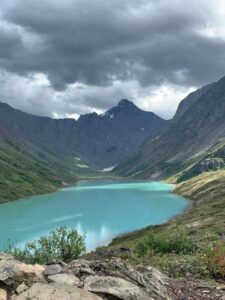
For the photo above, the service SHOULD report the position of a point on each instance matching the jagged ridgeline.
(191, 143)
(101, 140)
(38, 154)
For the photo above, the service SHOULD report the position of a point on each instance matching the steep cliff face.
(101, 140)
(198, 125)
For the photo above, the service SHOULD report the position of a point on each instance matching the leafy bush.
(61, 244)
(179, 243)
(215, 260)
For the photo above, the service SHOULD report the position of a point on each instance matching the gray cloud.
(98, 43)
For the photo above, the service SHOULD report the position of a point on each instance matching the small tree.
(61, 244)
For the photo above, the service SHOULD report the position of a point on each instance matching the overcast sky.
(65, 58)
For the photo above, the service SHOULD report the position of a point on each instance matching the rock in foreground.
(111, 279)
(80, 280)
(40, 291)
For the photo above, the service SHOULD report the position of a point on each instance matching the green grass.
(22, 175)
(37, 171)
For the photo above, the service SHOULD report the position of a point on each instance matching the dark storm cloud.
(112, 49)
(96, 42)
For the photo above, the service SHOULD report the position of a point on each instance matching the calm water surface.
(101, 209)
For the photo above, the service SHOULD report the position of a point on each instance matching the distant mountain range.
(189, 144)
(142, 144)
(37, 153)
(100, 140)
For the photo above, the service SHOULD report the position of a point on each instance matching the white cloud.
(34, 94)
(97, 52)
(165, 99)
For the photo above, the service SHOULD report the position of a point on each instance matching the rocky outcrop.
(204, 165)
(40, 291)
(13, 273)
(110, 279)
(115, 287)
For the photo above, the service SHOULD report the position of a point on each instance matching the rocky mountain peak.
(125, 102)
(101, 140)
(123, 107)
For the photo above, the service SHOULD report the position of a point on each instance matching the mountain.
(190, 100)
(193, 141)
(38, 154)
(112, 137)
(100, 140)
(28, 169)
(21, 173)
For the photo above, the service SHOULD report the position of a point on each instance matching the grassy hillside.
(28, 172)
(68, 167)
(202, 227)
(22, 175)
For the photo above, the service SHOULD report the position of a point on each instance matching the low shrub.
(61, 244)
(179, 243)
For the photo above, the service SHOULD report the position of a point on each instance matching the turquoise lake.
(102, 209)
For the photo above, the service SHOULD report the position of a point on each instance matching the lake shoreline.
(56, 189)
(189, 208)
(146, 200)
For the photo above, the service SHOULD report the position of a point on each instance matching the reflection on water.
(99, 209)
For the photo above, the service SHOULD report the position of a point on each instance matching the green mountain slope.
(22, 175)
(208, 216)
(185, 140)
(204, 224)
(189, 151)
(27, 169)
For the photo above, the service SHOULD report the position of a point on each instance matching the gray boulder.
(53, 269)
(13, 273)
(149, 279)
(116, 287)
(64, 279)
(40, 291)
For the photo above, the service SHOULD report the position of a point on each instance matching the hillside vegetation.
(197, 127)
(192, 244)
(25, 172)
(22, 175)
